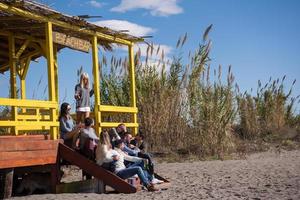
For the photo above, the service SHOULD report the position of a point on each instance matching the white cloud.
(134, 29)
(95, 4)
(156, 7)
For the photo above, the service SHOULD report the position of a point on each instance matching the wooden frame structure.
(27, 30)
(30, 30)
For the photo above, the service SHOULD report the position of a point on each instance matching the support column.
(132, 85)
(23, 74)
(51, 78)
(13, 75)
(56, 73)
(96, 85)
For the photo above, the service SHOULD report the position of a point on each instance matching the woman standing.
(83, 92)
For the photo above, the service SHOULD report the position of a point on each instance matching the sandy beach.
(267, 175)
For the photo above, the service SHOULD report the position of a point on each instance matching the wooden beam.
(115, 124)
(8, 138)
(21, 153)
(11, 18)
(51, 77)
(118, 109)
(25, 145)
(20, 36)
(5, 66)
(132, 86)
(22, 48)
(28, 103)
(36, 26)
(96, 75)
(26, 67)
(13, 75)
(37, 160)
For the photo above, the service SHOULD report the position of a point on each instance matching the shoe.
(151, 188)
(156, 181)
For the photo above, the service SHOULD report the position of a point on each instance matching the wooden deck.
(27, 150)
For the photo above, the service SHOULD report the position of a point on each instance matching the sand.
(268, 175)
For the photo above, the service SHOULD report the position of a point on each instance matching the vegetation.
(187, 109)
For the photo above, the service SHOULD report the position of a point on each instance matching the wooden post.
(132, 85)
(56, 73)
(51, 78)
(96, 85)
(23, 74)
(6, 182)
(13, 74)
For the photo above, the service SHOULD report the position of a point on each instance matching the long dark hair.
(63, 110)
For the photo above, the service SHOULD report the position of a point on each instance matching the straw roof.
(27, 26)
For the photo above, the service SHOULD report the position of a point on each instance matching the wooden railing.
(105, 109)
(29, 115)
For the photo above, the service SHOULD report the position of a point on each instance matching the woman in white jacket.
(105, 155)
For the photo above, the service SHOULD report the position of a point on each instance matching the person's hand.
(145, 161)
(115, 157)
(77, 96)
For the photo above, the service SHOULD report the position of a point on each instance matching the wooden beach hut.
(29, 30)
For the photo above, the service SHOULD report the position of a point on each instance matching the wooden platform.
(36, 153)
(27, 150)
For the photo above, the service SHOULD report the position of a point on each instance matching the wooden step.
(95, 170)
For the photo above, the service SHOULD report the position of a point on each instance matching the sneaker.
(156, 181)
(151, 188)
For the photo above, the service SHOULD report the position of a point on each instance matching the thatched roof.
(25, 25)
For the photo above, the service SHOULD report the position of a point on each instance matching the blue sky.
(259, 38)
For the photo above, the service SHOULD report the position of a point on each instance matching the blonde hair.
(104, 138)
(84, 75)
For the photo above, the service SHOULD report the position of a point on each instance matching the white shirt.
(122, 157)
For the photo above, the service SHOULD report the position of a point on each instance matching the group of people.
(116, 149)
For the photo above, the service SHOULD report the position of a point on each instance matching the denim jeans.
(142, 165)
(131, 171)
(150, 163)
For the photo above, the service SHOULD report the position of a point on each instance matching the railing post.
(132, 84)
(13, 74)
(96, 85)
(51, 77)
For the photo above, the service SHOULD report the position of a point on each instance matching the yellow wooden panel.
(115, 124)
(32, 128)
(119, 109)
(28, 123)
(96, 75)
(33, 117)
(28, 103)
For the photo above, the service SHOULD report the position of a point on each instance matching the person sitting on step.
(135, 169)
(68, 130)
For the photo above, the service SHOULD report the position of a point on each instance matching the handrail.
(115, 124)
(28, 103)
(119, 109)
